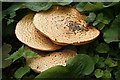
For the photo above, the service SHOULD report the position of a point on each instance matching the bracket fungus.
(27, 33)
(48, 30)
(64, 25)
(41, 64)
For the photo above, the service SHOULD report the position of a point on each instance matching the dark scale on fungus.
(73, 26)
(55, 55)
(65, 61)
(37, 67)
(55, 39)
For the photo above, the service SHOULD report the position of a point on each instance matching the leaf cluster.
(99, 59)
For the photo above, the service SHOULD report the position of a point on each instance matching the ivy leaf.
(100, 26)
(10, 21)
(96, 58)
(64, 3)
(113, 33)
(6, 48)
(88, 6)
(21, 72)
(30, 54)
(12, 9)
(106, 74)
(38, 6)
(110, 62)
(98, 73)
(102, 48)
(91, 17)
(82, 7)
(22, 53)
(16, 55)
(54, 72)
(12, 15)
(99, 18)
(100, 63)
(117, 75)
(81, 64)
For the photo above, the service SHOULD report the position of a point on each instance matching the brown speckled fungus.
(64, 25)
(41, 64)
(27, 33)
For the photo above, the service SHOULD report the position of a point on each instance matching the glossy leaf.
(98, 73)
(21, 72)
(54, 72)
(110, 62)
(88, 6)
(13, 8)
(16, 55)
(22, 53)
(113, 33)
(30, 54)
(91, 17)
(96, 58)
(102, 48)
(38, 6)
(107, 74)
(63, 3)
(100, 63)
(81, 64)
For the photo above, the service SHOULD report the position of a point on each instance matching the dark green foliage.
(98, 59)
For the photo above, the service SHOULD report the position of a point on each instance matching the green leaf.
(21, 72)
(117, 75)
(110, 62)
(92, 7)
(102, 48)
(99, 18)
(112, 34)
(12, 9)
(81, 64)
(100, 63)
(82, 7)
(96, 58)
(63, 3)
(54, 72)
(38, 6)
(12, 15)
(16, 55)
(10, 21)
(6, 48)
(91, 17)
(30, 54)
(98, 73)
(100, 26)
(106, 74)
(22, 52)
(88, 6)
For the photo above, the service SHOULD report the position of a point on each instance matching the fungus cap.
(64, 25)
(27, 33)
(50, 60)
